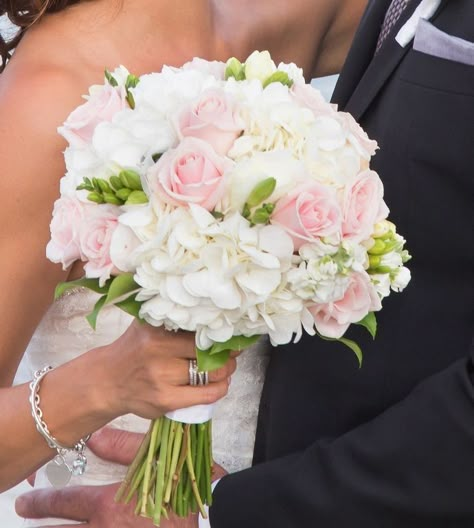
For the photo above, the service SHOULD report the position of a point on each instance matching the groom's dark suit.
(391, 444)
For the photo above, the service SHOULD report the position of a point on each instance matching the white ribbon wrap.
(196, 414)
(425, 10)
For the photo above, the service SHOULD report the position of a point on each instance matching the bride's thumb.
(115, 445)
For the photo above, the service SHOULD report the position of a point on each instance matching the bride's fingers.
(115, 445)
(187, 396)
(31, 479)
(177, 373)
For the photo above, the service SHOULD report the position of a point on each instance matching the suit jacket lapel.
(361, 52)
(381, 66)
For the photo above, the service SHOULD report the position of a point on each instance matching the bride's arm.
(144, 372)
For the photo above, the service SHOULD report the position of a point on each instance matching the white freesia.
(245, 175)
(382, 284)
(259, 66)
(294, 72)
(116, 144)
(401, 279)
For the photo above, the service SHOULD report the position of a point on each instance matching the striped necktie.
(394, 12)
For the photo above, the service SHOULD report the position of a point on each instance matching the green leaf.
(209, 362)
(280, 77)
(217, 356)
(349, 343)
(261, 191)
(91, 284)
(234, 343)
(354, 347)
(92, 317)
(370, 322)
(235, 69)
(130, 306)
(120, 286)
(110, 78)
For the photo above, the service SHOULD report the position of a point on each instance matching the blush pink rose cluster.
(312, 211)
(81, 231)
(101, 106)
(360, 298)
(192, 173)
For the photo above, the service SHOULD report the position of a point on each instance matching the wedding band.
(193, 372)
(196, 376)
(203, 377)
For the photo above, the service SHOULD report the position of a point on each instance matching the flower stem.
(174, 461)
(149, 463)
(192, 477)
(160, 479)
(137, 462)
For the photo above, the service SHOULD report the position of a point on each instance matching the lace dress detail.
(64, 334)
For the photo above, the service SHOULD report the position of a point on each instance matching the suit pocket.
(436, 43)
(436, 73)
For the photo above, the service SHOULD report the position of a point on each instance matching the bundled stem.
(171, 472)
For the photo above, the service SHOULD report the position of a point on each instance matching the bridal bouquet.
(229, 200)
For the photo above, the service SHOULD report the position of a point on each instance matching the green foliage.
(280, 77)
(90, 284)
(217, 356)
(92, 317)
(130, 306)
(235, 69)
(349, 344)
(121, 286)
(370, 323)
(136, 198)
(110, 78)
(261, 192)
(124, 188)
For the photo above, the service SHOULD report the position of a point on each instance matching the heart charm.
(58, 473)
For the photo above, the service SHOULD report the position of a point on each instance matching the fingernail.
(229, 380)
(21, 506)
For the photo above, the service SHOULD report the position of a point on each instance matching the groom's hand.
(95, 504)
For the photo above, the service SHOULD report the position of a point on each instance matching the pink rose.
(309, 97)
(191, 173)
(363, 206)
(213, 118)
(68, 216)
(95, 236)
(333, 319)
(214, 68)
(101, 106)
(309, 212)
(357, 136)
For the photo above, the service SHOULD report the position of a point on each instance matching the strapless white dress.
(65, 334)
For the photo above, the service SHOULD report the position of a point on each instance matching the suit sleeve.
(411, 467)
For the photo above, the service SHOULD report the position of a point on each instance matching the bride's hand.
(146, 372)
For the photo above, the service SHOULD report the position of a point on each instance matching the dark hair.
(24, 13)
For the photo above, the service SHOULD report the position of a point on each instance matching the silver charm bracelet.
(59, 470)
